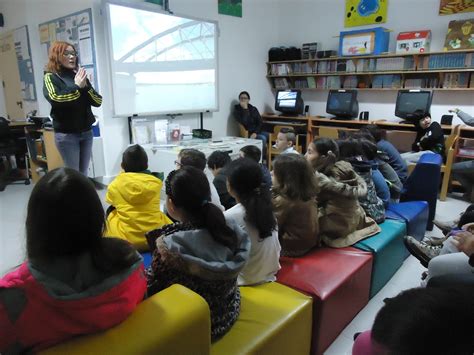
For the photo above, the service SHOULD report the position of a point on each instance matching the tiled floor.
(14, 199)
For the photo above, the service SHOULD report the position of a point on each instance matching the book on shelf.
(377, 82)
(350, 66)
(332, 65)
(414, 83)
(456, 80)
(311, 82)
(341, 65)
(321, 82)
(308, 50)
(350, 82)
(281, 69)
(323, 67)
(281, 83)
(387, 64)
(301, 84)
(333, 82)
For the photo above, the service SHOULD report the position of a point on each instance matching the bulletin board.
(77, 29)
(25, 63)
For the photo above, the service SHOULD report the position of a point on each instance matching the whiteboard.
(160, 63)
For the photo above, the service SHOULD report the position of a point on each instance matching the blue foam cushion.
(388, 250)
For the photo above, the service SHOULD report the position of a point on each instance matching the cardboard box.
(364, 42)
(413, 42)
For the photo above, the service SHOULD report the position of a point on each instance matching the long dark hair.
(245, 177)
(328, 155)
(295, 178)
(65, 218)
(189, 190)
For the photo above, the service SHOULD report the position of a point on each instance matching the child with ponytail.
(253, 212)
(202, 251)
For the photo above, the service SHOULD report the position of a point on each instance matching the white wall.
(322, 20)
(243, 45)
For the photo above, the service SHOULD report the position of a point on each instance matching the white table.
(161, 158)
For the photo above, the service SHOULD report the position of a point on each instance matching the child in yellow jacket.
(135, 196)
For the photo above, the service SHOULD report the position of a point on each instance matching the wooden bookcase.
(451, 71)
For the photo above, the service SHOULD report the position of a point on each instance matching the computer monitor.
(289, 102)
(409, 101)
(342, 104)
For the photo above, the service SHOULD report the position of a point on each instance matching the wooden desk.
(20, 124)
(299, 123)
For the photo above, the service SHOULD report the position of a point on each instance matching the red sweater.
(33, 319)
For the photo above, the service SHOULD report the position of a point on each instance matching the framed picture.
(460, 35)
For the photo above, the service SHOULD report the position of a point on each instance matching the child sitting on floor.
(135, 196)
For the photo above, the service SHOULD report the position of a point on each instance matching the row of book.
(457, 80)
(448, 60)
(385, 81)
(434, 61)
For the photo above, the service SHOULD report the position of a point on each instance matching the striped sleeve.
(55, 94)
(95, 98)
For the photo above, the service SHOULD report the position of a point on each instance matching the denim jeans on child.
(75, 149)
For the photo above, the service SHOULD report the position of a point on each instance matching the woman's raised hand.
(81, 78)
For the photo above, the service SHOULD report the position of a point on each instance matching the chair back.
(450, 142)
(5, 133)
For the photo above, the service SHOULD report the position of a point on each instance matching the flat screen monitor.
(342, 104)
(289, 102)
(409, 101)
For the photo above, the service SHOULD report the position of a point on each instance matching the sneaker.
(422, 251)
(434, 241)
(446, 226)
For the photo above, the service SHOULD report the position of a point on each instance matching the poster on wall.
(76, 29)
(25, 64)
(449, 7)
(460, 35)
(230, 7)
(365, 12)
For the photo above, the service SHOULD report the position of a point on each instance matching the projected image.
(161, 63)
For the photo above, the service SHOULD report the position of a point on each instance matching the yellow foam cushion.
(274, 319)
(174, 321)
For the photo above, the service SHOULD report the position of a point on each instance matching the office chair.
(9, 146)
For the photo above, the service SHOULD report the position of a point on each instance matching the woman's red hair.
(55, 52)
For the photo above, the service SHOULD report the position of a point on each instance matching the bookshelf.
(452, 70)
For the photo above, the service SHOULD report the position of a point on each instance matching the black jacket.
(434, 139)
(249, 118)
(70, 105)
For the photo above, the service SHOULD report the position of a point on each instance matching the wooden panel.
(54, 158)
(11, 77)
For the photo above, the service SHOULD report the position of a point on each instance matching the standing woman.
(71, 96)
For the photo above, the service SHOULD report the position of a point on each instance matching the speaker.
(306, 110)
(1, 20)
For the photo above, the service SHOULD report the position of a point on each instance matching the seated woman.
(378, 193)
(202, 252)
(342, 221)
(429, 138)
(253, 213)
(249, 117)
(74, 281)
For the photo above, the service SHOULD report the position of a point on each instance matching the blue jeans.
(464, 173)
(263, 136)
(75, 149)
